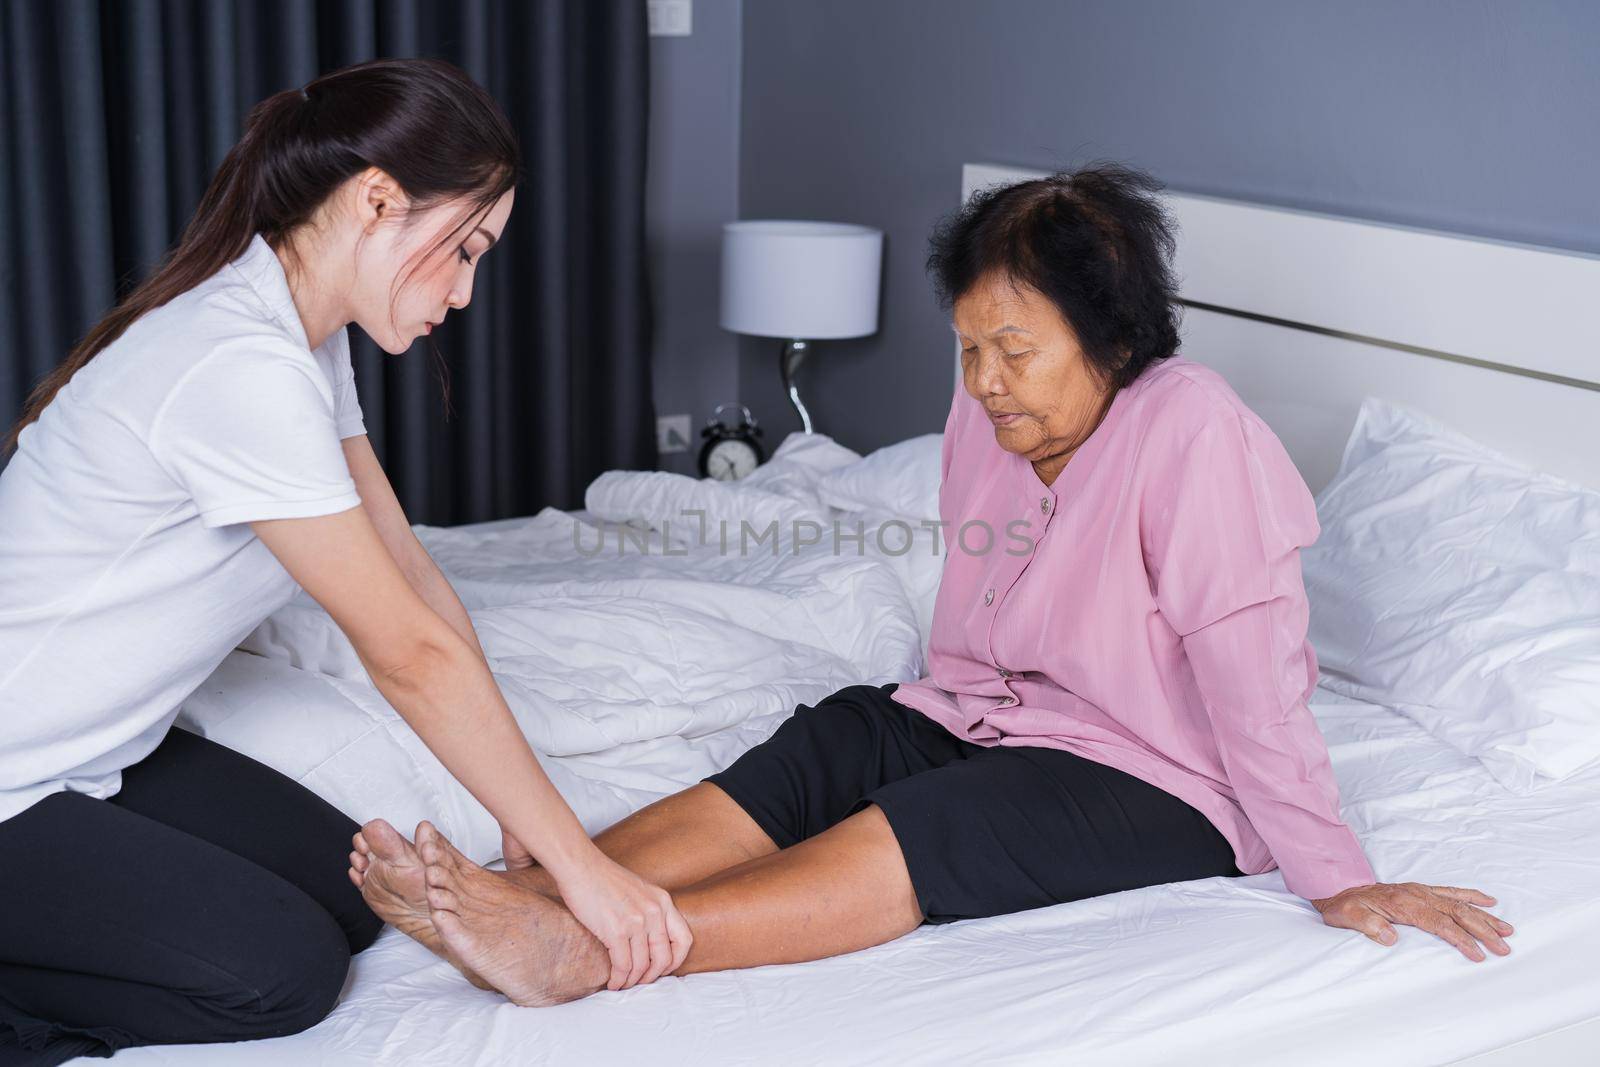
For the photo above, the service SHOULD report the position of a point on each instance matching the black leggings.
(206, 901)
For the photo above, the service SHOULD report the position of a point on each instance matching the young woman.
(199, 453)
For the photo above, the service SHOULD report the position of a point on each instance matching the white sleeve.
(346, 405)
(250, 433)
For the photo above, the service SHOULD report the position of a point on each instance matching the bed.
(639, 656)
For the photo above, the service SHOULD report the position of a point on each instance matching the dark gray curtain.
(114, 115)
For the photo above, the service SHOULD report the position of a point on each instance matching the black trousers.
(206, 901)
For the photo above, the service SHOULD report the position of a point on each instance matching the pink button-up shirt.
(1146, 612)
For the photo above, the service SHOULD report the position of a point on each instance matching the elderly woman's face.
(1021, 360)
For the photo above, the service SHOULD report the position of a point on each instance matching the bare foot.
(389, 873)
(525, 944)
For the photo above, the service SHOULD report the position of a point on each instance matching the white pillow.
(341, 740)
(900, 479)
(1462, 589)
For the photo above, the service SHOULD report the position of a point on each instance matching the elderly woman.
(1115, 699)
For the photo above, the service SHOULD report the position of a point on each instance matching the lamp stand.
(790, 357)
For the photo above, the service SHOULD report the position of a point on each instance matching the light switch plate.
(670, 18)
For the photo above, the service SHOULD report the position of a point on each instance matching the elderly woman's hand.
(1446, 911)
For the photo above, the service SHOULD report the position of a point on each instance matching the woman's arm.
(1252, 676)
(394, 528)
(1253, 673)
(389, 519)
(1228, 580)
(442, 687)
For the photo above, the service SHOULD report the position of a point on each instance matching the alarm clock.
(730, 453)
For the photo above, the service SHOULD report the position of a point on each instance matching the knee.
(851, 708)
(294, 983)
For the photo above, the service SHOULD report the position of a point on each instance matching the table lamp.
(800, 282)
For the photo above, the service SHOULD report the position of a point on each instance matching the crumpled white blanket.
(636, 658)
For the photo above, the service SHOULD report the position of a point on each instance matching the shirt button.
(1044, 504)
(988, 597)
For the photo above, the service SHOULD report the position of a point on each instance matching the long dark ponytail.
(423, 121)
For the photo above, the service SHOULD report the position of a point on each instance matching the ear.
(378, 197)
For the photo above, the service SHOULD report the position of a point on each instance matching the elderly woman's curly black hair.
(1096, 242)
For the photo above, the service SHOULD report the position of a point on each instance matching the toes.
(385, 842)
(451, 930)
(435, 848)
(359, 861)
(454, 856)
(435, 875)
(356, 877)
(427, 841)
(442, 901)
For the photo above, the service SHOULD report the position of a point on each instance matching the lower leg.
(675, 842)
(843, 890)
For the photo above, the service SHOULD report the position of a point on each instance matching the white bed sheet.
(1233, 971)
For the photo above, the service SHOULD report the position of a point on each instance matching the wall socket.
(672, 434)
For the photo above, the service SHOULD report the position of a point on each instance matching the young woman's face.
(398, 294)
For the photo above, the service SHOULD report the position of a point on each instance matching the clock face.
(731, 460)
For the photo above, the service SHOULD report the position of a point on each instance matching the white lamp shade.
(804, 280)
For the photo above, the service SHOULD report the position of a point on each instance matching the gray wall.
(692, 188)
(1477, 116)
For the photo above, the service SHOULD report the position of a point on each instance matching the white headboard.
(1306, 314)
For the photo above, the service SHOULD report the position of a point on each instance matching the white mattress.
(1234, 971)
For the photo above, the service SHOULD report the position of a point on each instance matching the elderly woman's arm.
(1223, 538)
(1225, 556)
(1252, 673)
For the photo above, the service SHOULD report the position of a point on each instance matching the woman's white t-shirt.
(127, 568)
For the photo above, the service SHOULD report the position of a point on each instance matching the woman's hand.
(515, 854)
(1443, 910)
(636, 921)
